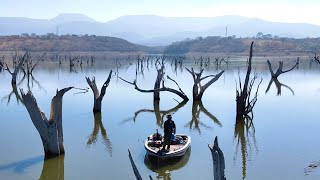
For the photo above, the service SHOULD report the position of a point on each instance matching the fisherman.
(169, 130)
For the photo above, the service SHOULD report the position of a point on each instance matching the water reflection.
(164, 168)
(197, 107)
(53, 168)
(15, 92)
(278, 86)
(244, 134)
(159, 114)
(92, 139)
(22, 165)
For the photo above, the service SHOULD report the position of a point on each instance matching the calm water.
(282, 144)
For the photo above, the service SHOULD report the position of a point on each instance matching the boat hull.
(176, 150)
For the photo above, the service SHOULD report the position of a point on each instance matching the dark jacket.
(169, 127)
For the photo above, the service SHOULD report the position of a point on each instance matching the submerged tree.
(158, 88)
(244, 102)
(134, 167)
(96, 95)
(280, 69)
(50, 130)
(15, 72)
(218, 161)
(199, 89)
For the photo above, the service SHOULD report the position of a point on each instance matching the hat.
(169, 116)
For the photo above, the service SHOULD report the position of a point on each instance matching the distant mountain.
(65, 18)
(156, 30)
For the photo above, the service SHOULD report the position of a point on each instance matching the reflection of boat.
(178, 147)
(162, 168)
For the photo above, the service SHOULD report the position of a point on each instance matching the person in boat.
(169, 130)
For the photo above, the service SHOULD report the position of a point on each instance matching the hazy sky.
(105, 10)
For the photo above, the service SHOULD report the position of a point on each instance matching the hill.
(214, 44)
(68, 43)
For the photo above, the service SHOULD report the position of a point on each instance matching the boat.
(180, 143)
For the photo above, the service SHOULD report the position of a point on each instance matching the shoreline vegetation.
(215, 45)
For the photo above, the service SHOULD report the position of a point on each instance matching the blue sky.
(104, 10)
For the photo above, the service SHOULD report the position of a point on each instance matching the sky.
(297, 11)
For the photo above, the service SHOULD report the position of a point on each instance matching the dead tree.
(218, 161)
(180, 93)
(199, 89)
(17, 68)
(280, 67)
(50, 130)
(160, 74)
(316, 58)
(244, 103)
(1, 62)
(134, 167)
(96, 95)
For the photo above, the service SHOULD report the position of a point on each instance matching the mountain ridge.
(156, 30)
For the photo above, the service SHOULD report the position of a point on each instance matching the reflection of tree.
(53, 168)
(15, 92)
(94, 135)
(198, 107)
(15, 87)
(160, 114)
(278, 86)
(244, 133)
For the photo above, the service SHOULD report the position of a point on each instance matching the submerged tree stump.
(218, 161)
(50, 130)
(96, 95)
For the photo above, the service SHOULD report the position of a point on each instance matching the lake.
(281, 144)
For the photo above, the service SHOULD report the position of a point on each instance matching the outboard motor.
(156, 136)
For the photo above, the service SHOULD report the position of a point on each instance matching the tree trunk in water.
(97, 96)
(50, 131)
(198, 89)
(218, 161)
(156, 94)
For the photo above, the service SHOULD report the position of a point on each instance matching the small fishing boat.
(180, 143)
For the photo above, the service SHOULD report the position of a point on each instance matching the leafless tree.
(50, 130)
(199, 89)
(244, 102)
(14, 74)
(280, 67)
(218, 160)
(96, 94)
